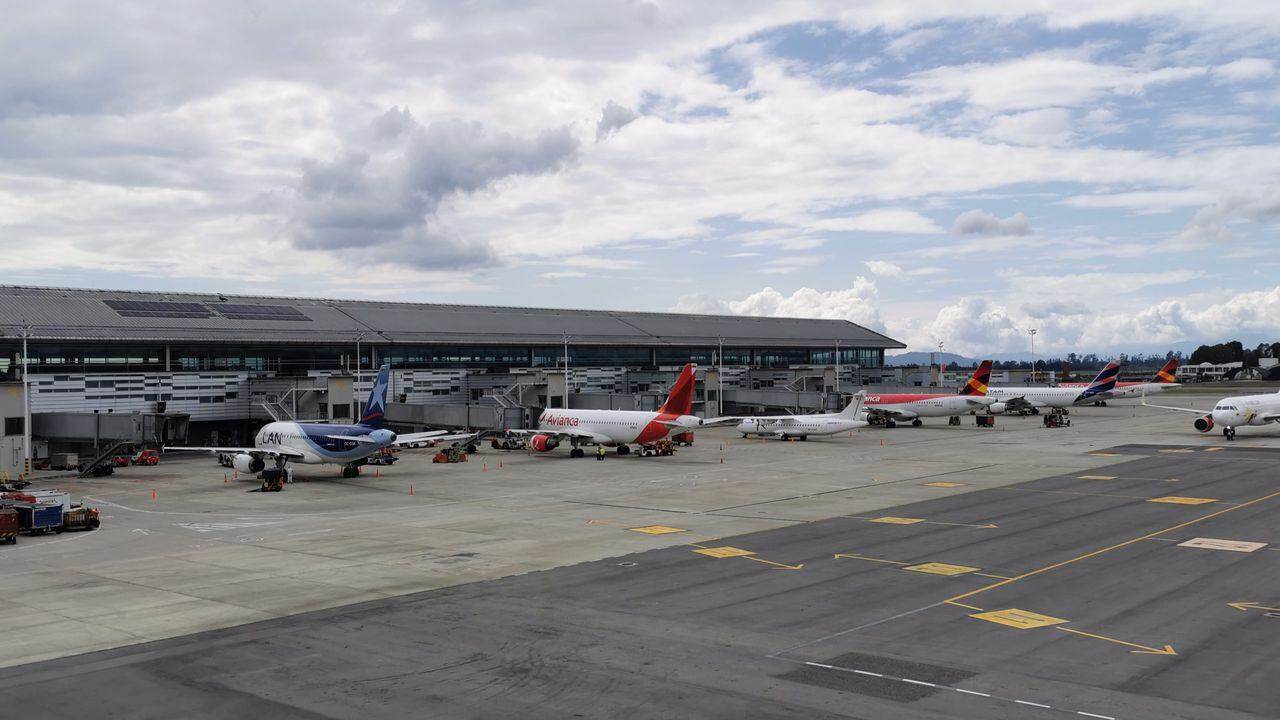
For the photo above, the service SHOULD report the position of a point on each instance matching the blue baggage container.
(37, 519)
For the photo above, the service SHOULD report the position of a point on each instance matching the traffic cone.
(153, 493)
(484, 467)
(224, 478)
(721, 459)
(410, 489)
(499, 464)
(377, 472)
(881, 442)
(236, 475)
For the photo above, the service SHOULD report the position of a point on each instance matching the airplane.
(616, 428)
(1163, 380)
(323, 443)
(802, 426)
(1232, 412)
(1032, 399)
(891, 408)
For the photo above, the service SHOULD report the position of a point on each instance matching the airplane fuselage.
(1242, 410)
(799, 425)
(617, 427)
(920, 406)
(1037, 396)
(321, 443)
(1126, 390)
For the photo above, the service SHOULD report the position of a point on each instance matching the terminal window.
(13, 426)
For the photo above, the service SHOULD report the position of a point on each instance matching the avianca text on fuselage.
(617, 428)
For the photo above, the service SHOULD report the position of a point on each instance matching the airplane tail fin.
(680, 400)
(1168, 373)
(977, 384)
(1104, 382)
(854, 407)
(375, 409)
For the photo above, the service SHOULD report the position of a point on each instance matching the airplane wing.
(561, 434)
(435, 436)
(1143, 400)
(873, 411)
(255, 452)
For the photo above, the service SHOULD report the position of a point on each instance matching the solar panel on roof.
(152, 309)
(260, 312)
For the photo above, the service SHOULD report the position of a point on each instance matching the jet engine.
(245, 463)
(543, 443)
(996, 408)
(1204, 424)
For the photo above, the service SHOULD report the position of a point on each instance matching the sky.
(1107, 173)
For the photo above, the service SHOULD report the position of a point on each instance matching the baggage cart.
(9, 525)
(81, 518)
(38, 519)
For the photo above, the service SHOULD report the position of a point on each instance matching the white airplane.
(322, 443)
(802, 426)
(617, 428)
(1232, 412)
(891, 408)
(1165, 379)
(1034, 398)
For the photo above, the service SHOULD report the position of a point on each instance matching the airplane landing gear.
(350, 471)
(917, 422)
(890, 424)
(624, 450)
(1229, 433)
(577, 453)
(953, 420)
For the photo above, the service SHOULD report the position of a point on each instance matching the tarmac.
(1124, 567)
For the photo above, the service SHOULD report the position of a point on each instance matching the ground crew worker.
(599, 452)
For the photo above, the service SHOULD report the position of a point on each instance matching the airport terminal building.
(225, 362)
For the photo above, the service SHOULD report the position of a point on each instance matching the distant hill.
(923, 358)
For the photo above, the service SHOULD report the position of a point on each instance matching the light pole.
(26, 405)
(566, 370)
(1032, 332)
(837, 369)
(356, 395)
(720, 376)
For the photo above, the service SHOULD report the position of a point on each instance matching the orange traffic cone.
(499, 464)
(410, 489)
(881, 442)
(721, 459)
(377, 472)
(224, 478)
(153, 493)
(484, 467)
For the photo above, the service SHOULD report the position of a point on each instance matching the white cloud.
(883, 268)
(978, 222)
(1041, 80)
(1048, 126)
(891, 220)
(856, 304)
(1245, 70)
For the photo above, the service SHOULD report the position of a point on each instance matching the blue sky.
(1107, 173)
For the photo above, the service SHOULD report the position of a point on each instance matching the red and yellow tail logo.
(1168, 373)
(977, 384)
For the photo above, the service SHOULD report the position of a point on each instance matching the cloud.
(978, 222)
(384, 191)
(1244, 70)
(857, 304)
(1209, 225)
(891, 220)
(1042, 80)
(613, 118)
(883, 268)
(1048, 126)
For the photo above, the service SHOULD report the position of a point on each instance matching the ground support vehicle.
(81, 518)
(9, 525)
(37, 519)
(453, 454)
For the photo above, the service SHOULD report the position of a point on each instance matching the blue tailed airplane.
(322, 443)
